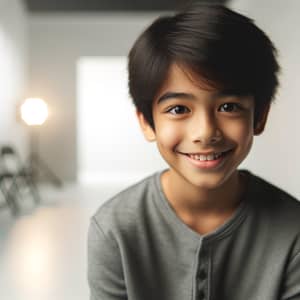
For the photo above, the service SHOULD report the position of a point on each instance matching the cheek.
(169, 135)
(241, 133)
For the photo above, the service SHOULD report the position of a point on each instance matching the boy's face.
(194, 126)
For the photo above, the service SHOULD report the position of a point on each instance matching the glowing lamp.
(34, 111)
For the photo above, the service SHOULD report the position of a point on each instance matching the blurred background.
(76, 142)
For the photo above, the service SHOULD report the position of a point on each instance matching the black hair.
(221, 46)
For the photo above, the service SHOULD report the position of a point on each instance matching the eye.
(178, 110)
(230, 107)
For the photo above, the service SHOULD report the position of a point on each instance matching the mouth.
(207, 156)
(209, 160)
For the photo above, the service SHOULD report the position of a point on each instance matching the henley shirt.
(139, 249)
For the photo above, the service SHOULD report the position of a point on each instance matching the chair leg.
(15, 210)
(33, 189)
(11, 201)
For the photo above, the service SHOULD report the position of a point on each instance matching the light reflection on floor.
(43, 251)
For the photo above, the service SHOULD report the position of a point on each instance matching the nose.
(205, 130)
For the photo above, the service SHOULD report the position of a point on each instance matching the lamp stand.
(36, 164)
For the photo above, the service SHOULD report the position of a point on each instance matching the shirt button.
(201, 296)
(204, 252)
(202, 275)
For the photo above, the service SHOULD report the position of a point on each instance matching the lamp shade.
(34, 111)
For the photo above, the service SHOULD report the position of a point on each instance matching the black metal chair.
(15, 177)
(9, 200)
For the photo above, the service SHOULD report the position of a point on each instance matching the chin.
(210, 181)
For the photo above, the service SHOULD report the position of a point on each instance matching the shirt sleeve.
(291, 288)
(105, 274)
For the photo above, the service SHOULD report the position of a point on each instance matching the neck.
(187, 199)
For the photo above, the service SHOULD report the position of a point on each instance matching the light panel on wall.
(111, 148)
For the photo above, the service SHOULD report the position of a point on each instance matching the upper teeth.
(206, 157)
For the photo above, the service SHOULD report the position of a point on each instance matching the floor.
(43, 250)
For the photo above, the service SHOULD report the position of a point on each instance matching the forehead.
(179, 75)
(182, 83)
(183, 80)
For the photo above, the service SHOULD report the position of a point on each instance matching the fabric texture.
(139, 249)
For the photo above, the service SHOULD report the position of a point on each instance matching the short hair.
(220, 46)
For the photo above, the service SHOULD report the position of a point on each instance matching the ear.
(147, 130)
(260, 125)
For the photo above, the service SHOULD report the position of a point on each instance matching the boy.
(202, 82)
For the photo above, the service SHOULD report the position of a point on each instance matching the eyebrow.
(187, 96)
(169, 95)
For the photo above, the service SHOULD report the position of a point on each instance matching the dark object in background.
(14, 178)
(109, 5)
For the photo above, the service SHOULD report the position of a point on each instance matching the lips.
(209, 155)
(211, 161)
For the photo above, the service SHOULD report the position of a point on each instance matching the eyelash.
(236, 107)
(174, 107)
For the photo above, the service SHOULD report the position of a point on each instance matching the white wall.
(13, 74)
(275, 154)
(57, 43)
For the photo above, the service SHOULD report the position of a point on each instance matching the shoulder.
(274, 213)
(274, 202)
(272, 193)
(127, 208)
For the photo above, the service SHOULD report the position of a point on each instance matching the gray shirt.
(138, 248)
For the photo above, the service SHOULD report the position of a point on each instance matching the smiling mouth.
(206, 157)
